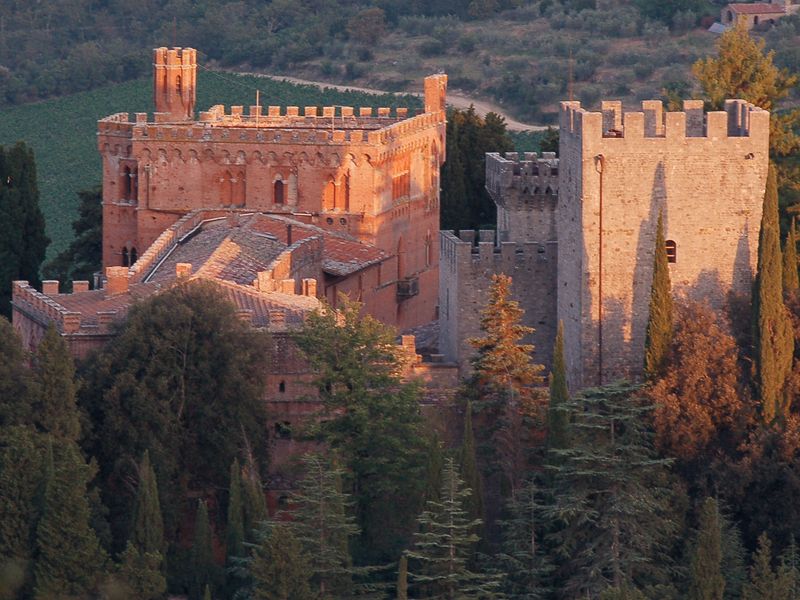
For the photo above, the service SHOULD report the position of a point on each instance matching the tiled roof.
(758, 8)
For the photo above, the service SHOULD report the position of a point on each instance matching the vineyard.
(62, 131)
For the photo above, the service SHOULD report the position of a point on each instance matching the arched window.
(134, 256)
(226, 192)
(279, 192)
(125, 258)
(329, 196)
(730, 16)
(672, 251)
(346, 187)
(134, 176)
(126, 183)
(178, 82)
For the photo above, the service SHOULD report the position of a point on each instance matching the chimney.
(287, 286)
(80, 286)
(183, 270)
(50, 287)
(116, 280)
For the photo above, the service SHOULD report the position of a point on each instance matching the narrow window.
(329, 196)
(126, 183)
(178, 82)
(755, 20)
(672, 251)
(134, 256)
(125, 262)
(282, 387)
(279, 192)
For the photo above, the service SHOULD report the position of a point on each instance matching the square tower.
(705, 173)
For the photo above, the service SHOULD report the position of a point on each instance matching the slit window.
(282, 387)
(125, 258)
(672, 251)
(279, 192)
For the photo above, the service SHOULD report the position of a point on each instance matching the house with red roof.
(757, 14)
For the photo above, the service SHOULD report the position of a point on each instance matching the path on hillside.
(454, 99)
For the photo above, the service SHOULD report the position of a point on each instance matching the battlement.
(482, 251)
(525, 172)
(739, 119)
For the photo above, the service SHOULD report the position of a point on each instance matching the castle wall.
(706, 173)
(465, 273)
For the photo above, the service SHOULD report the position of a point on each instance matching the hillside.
(62, 131)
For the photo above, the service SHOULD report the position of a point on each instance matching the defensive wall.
(704, 172)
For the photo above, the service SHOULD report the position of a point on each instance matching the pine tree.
(69, 559)
(22, 229)
(402, 578)
(279, 568)
(140, 574)
(468, 466)
(16, 383)
(147, 531)
(443, 545)
(324, 529)
(557, 416)
(659, 324)
(55, 409)
(609, 496)
(254, 505)
(235, 529)
(765, 583)
(791, 278)
(204, 569)
(790, 569)
(734, 558)
(522, 557)
(706, 580)
(773, 336)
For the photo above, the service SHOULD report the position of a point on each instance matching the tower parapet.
(175, 82)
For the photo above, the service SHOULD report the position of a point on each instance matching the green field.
(62, 131)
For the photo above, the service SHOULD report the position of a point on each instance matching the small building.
(757, 14)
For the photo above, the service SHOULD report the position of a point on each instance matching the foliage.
(765, 583)
(55, 410)
(698, 401)
(465, 203)
(204, 570)
(69, 559)
(140, 574)
(557, 415)
(772, 328)
(667, 9)
(182, 380)
(443, 545)
(254, 505)
(279, 567)
(22, 238)
(402, 578)
(610, 508)
(147, 532)
(84, 255)
(468, 467)
(371, 421)
(16, 382)
(706, 580)
(234, 545)
(791, 278)
(659, 322)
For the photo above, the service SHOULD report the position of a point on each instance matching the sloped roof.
(758, 8)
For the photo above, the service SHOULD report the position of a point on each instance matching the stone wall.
(465, 272)
(705, 172)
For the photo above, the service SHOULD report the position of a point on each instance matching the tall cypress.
(278, 567)
(773, 338)
(557, 414)
(16, 382)
(706, 581)
(147, 533)
(204, 569)
(659, 324)
(69, 559)
(235, 529)
(254, 506)
(765, 583)
(55, 409)
(402, 578)
(791, 279)
(468, 465)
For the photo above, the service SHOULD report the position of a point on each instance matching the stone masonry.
(705, 172)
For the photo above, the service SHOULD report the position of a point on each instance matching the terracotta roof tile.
(758, 8)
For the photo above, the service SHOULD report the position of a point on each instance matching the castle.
(577, 233)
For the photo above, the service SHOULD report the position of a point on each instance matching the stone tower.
(706, 173)
(175, 82)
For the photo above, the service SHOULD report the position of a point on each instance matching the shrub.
(431, 47)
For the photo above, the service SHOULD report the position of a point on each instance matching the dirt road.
(454, 99)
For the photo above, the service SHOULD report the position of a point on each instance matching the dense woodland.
(142, 469)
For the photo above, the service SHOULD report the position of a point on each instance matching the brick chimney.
(116, 280)
(50, 287)
(80, 286)
(183, 270)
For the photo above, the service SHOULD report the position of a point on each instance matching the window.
(283, 430)
(134, 256)
(329, 196)
(125, 259)
(126, 183)
(755, 20)
(279, 196)
(282, 387)
(672, 251)
(178, 82)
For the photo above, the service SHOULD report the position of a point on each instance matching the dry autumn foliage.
(698, 399)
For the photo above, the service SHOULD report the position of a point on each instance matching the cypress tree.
(468, 465)
(141, 574)
(147, 533)
(254, 506)
(16, 383)
(734, 558)
(402, 578)
(204, 568)
(69, 560)
(765, 583)
(235, 529)
(791, 279)
(773, 336)
(279, 568)
(433, 477)
(706, 581)
(55, 409)
(207, 593)
(659, 324)
(557, 415)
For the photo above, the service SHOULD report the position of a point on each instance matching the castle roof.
(758, 8)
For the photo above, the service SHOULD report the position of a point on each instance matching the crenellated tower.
(175, 82)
